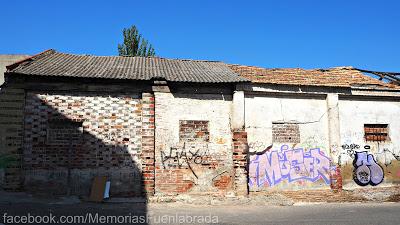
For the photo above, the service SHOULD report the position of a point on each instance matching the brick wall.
(240, 149)
(336, 179)
(148, 142)
(193, 143)
(164, 143)
(285, 133)
(194, 131)
(11, 137)
(110, 143)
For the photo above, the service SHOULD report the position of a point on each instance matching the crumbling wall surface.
(193, 149)
(71, 137)
(288, 142)
(367, 162)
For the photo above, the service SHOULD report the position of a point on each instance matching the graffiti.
(396, 156)
(220, 140)
(114, 136)
(366, 169)
(334, 148)
(258, 148)
(272, 167)
(313, 142)
(350, 149)
(180, 156)
(351, 146)
(185, 157)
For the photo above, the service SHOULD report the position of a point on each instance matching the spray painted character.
(366, 170)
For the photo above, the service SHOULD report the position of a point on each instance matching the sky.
(307, 34)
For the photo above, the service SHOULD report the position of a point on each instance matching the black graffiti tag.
(350, 148)
(178, 157)
(181, 157)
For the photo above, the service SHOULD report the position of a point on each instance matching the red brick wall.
(110, 143)
(240, 149)
(171, 181)
(194, 131)
(285, 133)
(223, 182)
(336, 179)
(147, 155)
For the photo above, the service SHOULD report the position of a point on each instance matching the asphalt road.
(174, 213)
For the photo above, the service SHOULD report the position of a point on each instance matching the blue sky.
(308, 34)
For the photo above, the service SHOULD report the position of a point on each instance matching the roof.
(332, 77)
(7, 60)
(52, 63)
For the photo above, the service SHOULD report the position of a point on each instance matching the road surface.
(176, 213)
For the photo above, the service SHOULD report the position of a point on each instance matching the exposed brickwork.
(240, 149)
(285, 133)
(336, 179)
(147, 155)
(193, 144)
(11, 136)
(376, 132)
(172, 181)
(223, 182)
(193, 131)
(110, 142)
(63, 131)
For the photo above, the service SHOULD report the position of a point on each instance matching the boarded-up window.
(193, 131)
(285, 133)
(64, 131)
(376, 132)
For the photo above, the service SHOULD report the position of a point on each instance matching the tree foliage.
(134, 44)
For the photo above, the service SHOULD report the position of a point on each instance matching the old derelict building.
(162, 126)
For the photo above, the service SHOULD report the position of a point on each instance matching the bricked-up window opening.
(285, 133)
(64, 131)
(193, 131)
(376, 132)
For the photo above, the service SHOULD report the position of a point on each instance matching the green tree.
(134, 44)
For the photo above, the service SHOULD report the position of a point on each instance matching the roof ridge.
(30, 58)
(147, 57)
(52, 63)
(296, 68)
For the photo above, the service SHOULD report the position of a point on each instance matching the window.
(285, 133)
(376, 132)
(64, 131)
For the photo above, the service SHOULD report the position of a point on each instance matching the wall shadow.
(69, 140)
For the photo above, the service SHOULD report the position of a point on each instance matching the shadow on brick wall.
(70, 140)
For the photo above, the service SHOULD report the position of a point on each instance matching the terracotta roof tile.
(333, 77)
